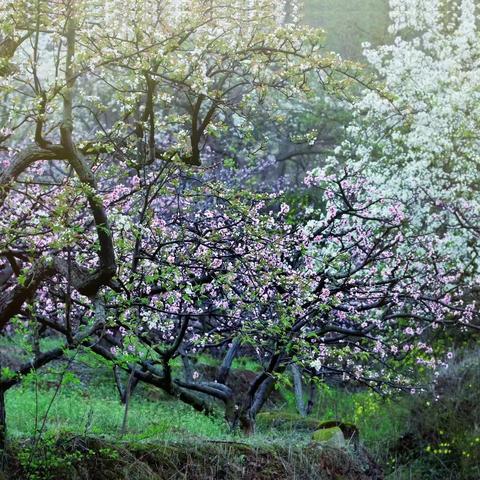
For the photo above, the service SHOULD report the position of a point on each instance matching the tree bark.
(187, 368)
(312, 394)
(298, 387)
(124, 392)
(128, 391)
(3, 420)
(226, 366)
(247, 418)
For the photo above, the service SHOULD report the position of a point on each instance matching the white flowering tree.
(415, 136)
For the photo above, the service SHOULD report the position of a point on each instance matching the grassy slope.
(88, 402)
(87, 406)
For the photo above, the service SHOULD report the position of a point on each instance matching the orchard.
(203, 210)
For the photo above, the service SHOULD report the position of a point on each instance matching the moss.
(286, 420)
(349, 430)
(330, 436)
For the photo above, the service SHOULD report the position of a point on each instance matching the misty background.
(349, 23)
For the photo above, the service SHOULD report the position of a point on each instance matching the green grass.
(100, 413)
(379, 420)
(246, 363)
(87, 405)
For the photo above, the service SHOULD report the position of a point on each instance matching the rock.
(332, 437)
(349, 430)
(287, 421)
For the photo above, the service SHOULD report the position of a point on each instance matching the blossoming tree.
(415, 136)
(97, 106)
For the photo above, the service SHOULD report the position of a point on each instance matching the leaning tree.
(93, 106)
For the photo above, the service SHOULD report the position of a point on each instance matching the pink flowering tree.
(101, 115)
(343, 290)
(142, 96)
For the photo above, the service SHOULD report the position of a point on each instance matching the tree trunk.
(247, 416)
(288, 18)
(312, 394)
(119, 384)
(187, 367)
(129, 386)
(297, 384)
(224, 370)
(3, 420)
(128, 391)
(262, 395)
